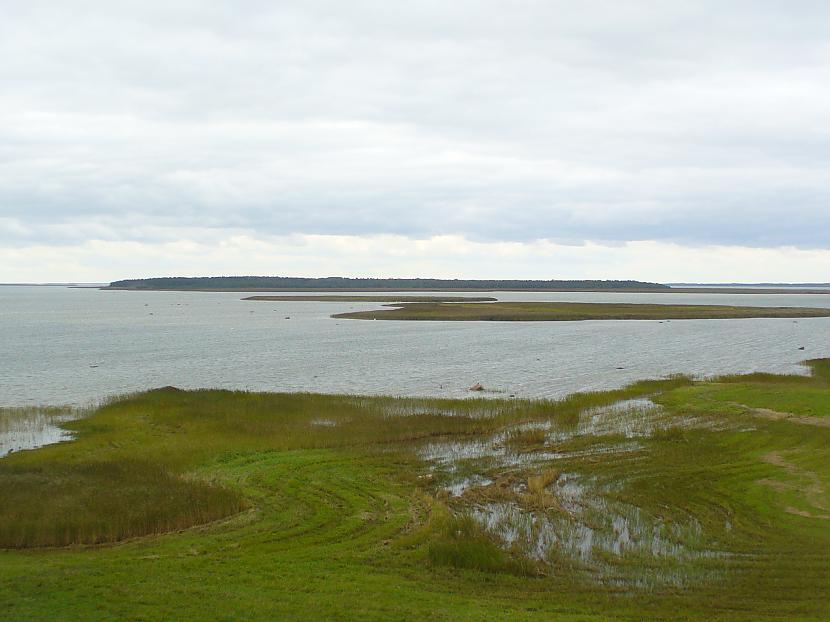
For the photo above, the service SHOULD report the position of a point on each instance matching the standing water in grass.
(28, 428)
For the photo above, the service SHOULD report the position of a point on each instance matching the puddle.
(599, 534)
(475, 407)
(497, 453)
(32, 429)
(458, 487)
(587, 523)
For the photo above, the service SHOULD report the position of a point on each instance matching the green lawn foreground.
(302, 506)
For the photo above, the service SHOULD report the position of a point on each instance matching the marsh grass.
(713, 514)
(97, 502)
(126, 474)
(463, 543)
(368, 298)
(574, 311)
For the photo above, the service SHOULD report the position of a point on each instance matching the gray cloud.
(691, 122)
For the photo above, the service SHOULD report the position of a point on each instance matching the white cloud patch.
(690, 124)
(207, 252)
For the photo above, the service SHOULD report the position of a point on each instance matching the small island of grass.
(574, 311)
(388, 298)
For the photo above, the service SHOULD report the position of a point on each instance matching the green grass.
(95, 502)
(330, 510)
(574, 311)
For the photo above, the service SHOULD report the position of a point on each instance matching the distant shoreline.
(337, 283)
(667, 290)
(390, 299)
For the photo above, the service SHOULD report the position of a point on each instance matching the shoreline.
(678, 290)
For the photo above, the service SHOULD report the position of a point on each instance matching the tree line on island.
(248, 283)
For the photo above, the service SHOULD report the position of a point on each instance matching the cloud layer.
(683, 124)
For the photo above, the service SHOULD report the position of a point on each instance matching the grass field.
(571, 311)
(667, 500)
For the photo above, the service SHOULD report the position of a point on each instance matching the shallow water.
(30, 430)
(76, 346)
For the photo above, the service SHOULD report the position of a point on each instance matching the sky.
(683, 141)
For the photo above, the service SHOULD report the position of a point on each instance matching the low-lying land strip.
(334, 284)
(665, 500)
(746, 290)
(570, 311)
(389, 298)
(281, 283)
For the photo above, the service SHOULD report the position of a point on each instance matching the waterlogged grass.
(689, 505)
(573, 311)
(124, 476)
(28, 427)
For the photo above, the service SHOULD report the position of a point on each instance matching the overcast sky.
(668, 141)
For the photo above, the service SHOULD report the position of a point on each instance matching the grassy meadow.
(574, 311)
(668, 499)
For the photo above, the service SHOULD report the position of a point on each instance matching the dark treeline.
(336, 282)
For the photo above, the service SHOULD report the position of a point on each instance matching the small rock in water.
(477, 387)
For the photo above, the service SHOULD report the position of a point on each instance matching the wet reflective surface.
(75, 346)
(30, 428)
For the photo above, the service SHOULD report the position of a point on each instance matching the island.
(389, 298)
(335, 283)
(572, 311)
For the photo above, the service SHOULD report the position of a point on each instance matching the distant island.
(390, 298)
(573, 311)
(753, 285)
(284, 283)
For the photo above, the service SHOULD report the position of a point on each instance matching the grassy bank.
(389, 298)
(572, 311)
(666, 500)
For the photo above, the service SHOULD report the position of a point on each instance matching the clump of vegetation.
(462, 543)
(525, 437)
(96, 502)
(672, 434)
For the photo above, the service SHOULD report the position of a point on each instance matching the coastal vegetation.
(670, 499)
(277, 283)
(387, 298)
(572, 311)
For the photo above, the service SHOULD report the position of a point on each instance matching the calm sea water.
(76, 346)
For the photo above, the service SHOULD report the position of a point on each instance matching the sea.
(79, 346)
